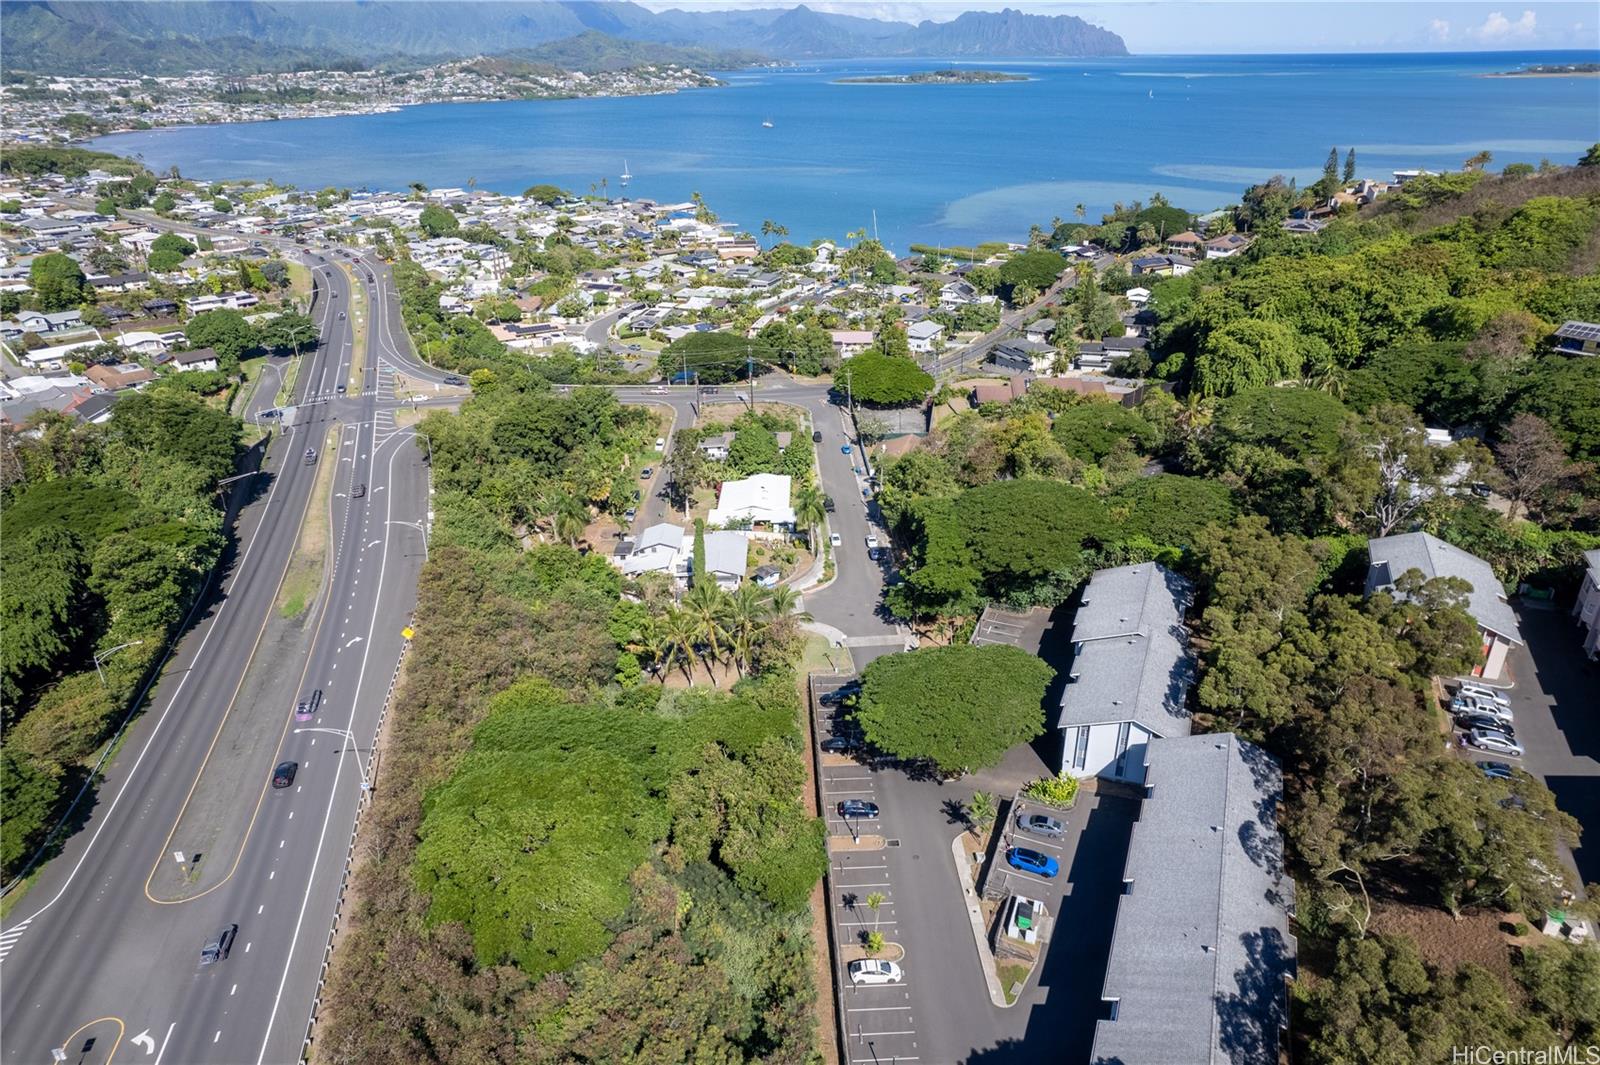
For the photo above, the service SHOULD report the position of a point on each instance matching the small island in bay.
(1552, 70)
(936, 77)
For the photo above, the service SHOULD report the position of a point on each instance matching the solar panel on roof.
(1579, 331)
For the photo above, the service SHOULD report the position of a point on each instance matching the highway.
(106, 945)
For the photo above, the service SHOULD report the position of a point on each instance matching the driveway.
(942, 1012)
(1555, 705)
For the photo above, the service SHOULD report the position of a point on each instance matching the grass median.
(304, 575)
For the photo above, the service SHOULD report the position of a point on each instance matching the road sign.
(177, 856)
(407, 632)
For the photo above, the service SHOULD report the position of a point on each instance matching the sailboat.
(766, 123)
(1152, 94)
(626, 177)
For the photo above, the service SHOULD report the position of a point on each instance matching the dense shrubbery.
(109, 533)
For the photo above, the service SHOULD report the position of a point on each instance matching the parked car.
(1492, 741)
(283, 776)
(1041, 825)
(219, 945)
(874, 971)
(358, 491)
(307, 708)
(661, 443)
(872, 540)
(876, 554)
(1495, 770)
(827, 503)
(1470, 705)
(845, 449)
(1031, 861)
(860, 809)
(816, 436)
(835, 539)
(840, 744)
(645, 473)
(1482, 692)
(629, 514)
(839, 695)
(1484, 721)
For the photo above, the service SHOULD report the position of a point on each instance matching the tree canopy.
(960, 707)
(880, 380)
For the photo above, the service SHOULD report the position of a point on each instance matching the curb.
(975, 917)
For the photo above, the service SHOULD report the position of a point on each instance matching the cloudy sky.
(1158, 26)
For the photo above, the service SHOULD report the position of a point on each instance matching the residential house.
(761, 499)
(659, 550)
(850, 342)
(1392, 557)
(1162, 265)
(921, 337)
(160, 308)
(1226, 246)
(1138, 297)
(198, 359)
(56, 354)
(1186, 243)
(1083, 386)
(727, 557)
(958, 294)
(1039, 332)
(1587, 608)
(716, 447)
(45, 324)
(142, 342)
(120, 376)
(1301, 227)
(1131, 671)
(998, 391)
(1202, 953)
(1023, 356)
(738, 249)
(236, 301)
(126, 281)
(1578, 338)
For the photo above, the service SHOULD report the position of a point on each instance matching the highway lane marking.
(333, 792)
(234, 990)
(260, 908)
(172, 651)
(164, 1040)
(217, 1036)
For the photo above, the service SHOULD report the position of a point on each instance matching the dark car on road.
(858, 808)
(1031, 861)
(358, 491)
(283, 776)
(816, 437)
(307, 708)
(218, 946)
(452, 379)
(1041, 825)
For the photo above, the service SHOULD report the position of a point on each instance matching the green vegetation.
(57, 281)
(714, 358)
(115, 528)
(34, 160)
(592, 843)
(959, 708)
(879, 380)
(964, 76)
(1059, 791)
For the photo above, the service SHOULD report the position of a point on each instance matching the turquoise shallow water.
(938, 163)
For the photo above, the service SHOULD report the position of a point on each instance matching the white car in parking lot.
(873, 971)
(1471, 704)
(1483, 693)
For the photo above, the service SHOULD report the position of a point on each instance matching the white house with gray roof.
(1587, 608)
(1201, 952)
(1391, 557)
(1131, 671)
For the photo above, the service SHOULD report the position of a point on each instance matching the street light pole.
(345, 733)
(107, 654)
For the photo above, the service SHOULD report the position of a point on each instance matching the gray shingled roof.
(1131, 660)
(1202, 945)
(1392, 556)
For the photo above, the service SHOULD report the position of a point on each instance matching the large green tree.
(57, 281)
(880, 380)
(960, 708)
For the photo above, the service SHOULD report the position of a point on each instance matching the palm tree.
(810, 511)
(649, 641)
(745, 621)
(781, 603)
(707, 605)
(679, 633)
(571, 518)
(1080, 211)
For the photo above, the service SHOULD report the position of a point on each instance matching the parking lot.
(941, 1011)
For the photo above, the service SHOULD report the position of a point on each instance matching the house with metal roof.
(1130, 674)
(727, 556)
(659, 550)
(1392, 557)
(761, 499)
(1587, 608)
(1202, 953)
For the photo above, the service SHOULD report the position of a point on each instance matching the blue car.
(845, 450)
(1031, 861)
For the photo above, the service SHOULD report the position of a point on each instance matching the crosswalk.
(10, 936)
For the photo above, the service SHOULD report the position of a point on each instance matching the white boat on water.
(626, 177)
(766, 123)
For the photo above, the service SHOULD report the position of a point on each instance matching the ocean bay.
(942, 163)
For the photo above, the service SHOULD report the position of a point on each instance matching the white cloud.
(1440, 29)
(1499, 28)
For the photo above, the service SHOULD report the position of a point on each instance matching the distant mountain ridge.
(166, 36)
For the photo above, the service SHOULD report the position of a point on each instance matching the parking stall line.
(877, 1009)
